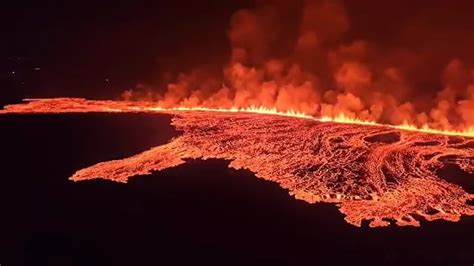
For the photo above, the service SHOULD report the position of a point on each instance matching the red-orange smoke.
(303, 56)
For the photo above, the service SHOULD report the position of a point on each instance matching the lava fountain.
(381, 173)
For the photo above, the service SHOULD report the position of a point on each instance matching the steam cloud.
(298, 56)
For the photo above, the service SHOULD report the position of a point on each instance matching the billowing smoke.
(303, 56)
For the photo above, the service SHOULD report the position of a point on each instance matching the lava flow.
(383, 174)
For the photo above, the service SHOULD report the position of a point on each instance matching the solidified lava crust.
(372, 173)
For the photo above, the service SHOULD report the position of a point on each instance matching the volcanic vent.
(372, 172)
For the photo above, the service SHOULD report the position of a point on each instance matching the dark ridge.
(429, 156)
(448, 158)
(389, 177)
(311, 124)
(389, 137)
(454, 174)
(419, 218)
(470, 202)
(337, 140)
(426, 143)
(431, 211)
(455, 140)
(467, 145)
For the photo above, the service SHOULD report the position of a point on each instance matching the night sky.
(98, 49)
(78, 46)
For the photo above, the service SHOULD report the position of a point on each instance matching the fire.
(54, 105)
(341, 118)
(281, 56)
(251, 109)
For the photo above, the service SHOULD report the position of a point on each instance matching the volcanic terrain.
(372, 172)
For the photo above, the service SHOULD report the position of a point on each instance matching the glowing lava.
(372, 172)
(80, 105)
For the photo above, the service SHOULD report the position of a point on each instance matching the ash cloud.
(307, 56)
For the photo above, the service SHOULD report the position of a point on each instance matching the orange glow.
(81, 105)
(341, 118)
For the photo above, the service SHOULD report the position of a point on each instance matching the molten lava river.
(377, 173)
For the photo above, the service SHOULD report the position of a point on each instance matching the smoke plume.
(304, 56)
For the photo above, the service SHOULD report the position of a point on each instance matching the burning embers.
(372, 172)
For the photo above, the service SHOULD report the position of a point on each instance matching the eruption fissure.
(59, 105)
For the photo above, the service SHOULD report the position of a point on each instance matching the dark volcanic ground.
(199, 212)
